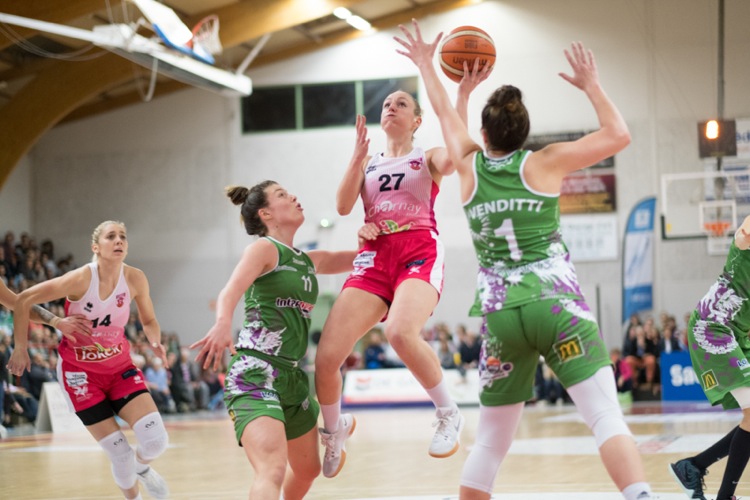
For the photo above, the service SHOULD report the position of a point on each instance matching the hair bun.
(237, 194)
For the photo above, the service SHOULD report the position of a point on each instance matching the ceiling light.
(353, 20)
(342, 13)
(359, 23)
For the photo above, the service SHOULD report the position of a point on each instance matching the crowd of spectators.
(644, 342)
(183, 386)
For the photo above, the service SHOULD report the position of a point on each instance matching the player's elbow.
(343, 208)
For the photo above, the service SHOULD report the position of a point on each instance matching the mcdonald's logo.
(569, 348)
(709, 380)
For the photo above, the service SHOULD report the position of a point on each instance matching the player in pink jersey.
(95, 368)
(398, 273)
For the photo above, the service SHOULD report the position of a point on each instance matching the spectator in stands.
(668, 342)
(215, 381)
(19, 401)
(97, 372)
(189, 391)
(9, 243)
(133, 327)
(446, 350)
(374, 352)
(157, 381)
(623, 371)
(34, 379)
(469, 347)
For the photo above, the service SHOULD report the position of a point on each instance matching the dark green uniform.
(263, 378)
(718, 332)
(527, 288)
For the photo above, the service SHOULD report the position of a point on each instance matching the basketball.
(465, 43)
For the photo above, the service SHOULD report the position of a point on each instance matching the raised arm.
(613, 134)
(459, 144)
(354, 177)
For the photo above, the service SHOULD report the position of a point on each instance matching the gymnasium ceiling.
(296, 27)
(38, 90)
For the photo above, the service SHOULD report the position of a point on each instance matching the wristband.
(155, 345)
(55, 321)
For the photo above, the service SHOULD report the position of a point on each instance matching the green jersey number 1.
(506, 231)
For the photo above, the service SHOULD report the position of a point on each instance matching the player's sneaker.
(449, 423)
(335, 453)
(690, 477)
(154, 484)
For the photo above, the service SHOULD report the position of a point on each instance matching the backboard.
(702, 204)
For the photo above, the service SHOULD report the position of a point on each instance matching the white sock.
(140, 468)
(636, 492)
(440, 396)
(331, 414)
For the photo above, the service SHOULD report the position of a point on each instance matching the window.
(269, 109)
(319, 105)
(328, 105)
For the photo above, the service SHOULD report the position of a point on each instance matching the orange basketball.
(465, 43)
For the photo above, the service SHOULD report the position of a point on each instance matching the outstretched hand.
(474, 77)
(362, 143)
(19, 361)
(416, 49)
(583, 65)
(213, 345)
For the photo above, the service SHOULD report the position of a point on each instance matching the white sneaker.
(449, 423)
(3, 431)
(154, 484)
(335, 453)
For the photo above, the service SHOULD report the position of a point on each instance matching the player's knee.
(152, 436)
(608, 426)
(596, 400)
(122, 457)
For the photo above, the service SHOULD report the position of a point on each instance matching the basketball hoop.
(717, 232)
(206, 36)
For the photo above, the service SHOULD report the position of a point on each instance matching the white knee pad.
(122, 457)
(495, 431)
(596, 400)
(152, 436)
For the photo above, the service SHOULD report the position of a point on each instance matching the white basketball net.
(206, 35)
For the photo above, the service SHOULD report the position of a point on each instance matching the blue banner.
(638, 259)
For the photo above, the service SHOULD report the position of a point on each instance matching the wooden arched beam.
(48, 98)
(64, 86)
(52, 12)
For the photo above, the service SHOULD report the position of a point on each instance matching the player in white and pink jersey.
(398, 274)
(95, 368)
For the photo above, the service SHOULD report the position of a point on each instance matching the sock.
(139, 467)
(716, 452)
(331, 415)
(440, 396)
(739, 453)
(637, 491)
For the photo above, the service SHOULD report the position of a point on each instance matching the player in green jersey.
(720, 350)
(527, 289)
(266, 392)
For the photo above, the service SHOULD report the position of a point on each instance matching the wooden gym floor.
(553, 457)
